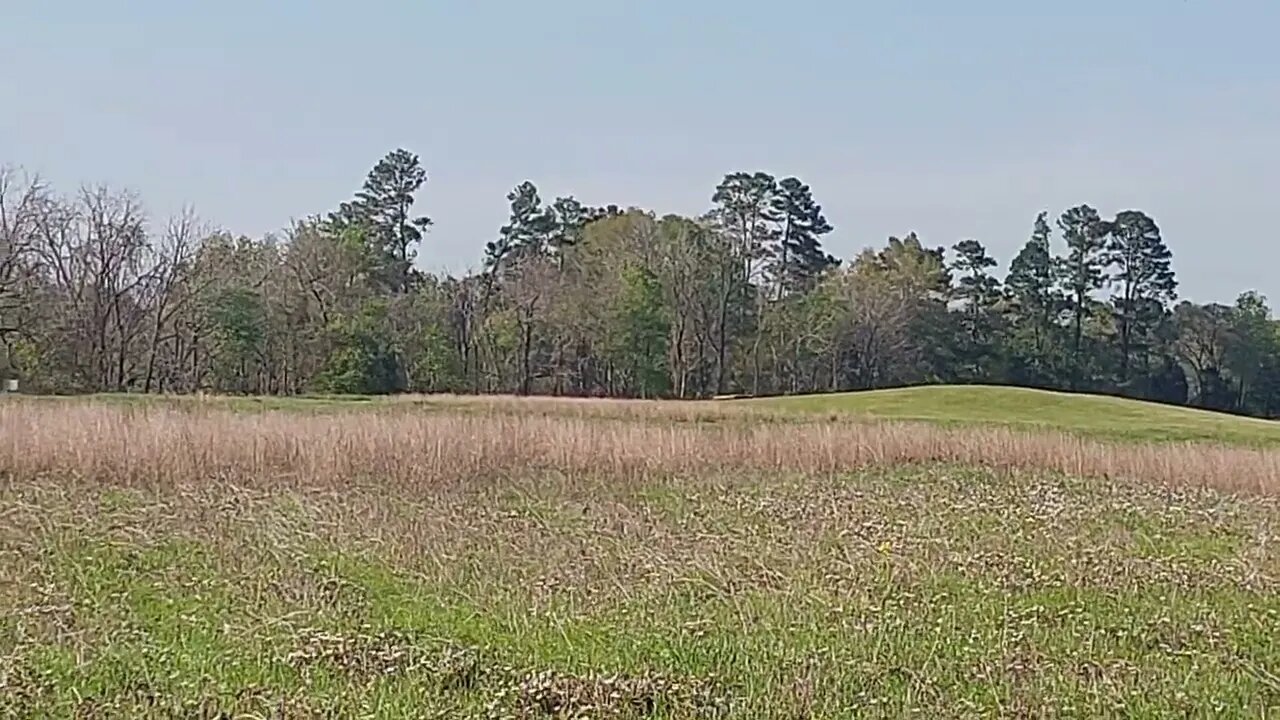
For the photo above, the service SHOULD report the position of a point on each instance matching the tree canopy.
(95, 295)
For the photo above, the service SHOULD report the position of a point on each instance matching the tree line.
(573, 299)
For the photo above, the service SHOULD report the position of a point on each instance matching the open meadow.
(505, 558)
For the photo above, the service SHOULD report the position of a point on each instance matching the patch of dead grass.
(151, 446)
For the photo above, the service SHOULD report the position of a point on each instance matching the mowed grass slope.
(162, 562)
(1093, 415)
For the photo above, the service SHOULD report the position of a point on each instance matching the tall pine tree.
(1034, 302)
(1143, 277)
(570, 217)
(529, 231)
(747, 216)
(382, 211)
(976, 287)
(1081, 273)
(798, 258)
(746, 221)
(979, 292)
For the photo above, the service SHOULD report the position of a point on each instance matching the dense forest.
(603, 301)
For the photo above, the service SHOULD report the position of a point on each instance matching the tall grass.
(150, 445)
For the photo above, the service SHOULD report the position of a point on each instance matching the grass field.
(1093, 415)
(555, 560)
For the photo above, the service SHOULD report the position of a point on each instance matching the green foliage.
(239, 330)
(1082, 272)
(892, 328)
(746, 210)
(364, 359)
(640, 332)
(978, 293)
(1033, 343)
(530, 230)
(977, 288)
(570, 217)
(382, 212)
(600, 300)
(1145, 282)
(1253, 355)
(431, 361)
(1030, 282)
(798, 260)
(435, 365)
(37, 369)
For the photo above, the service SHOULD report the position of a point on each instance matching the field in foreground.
(167, 563)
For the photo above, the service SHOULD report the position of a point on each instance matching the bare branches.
(21, 197)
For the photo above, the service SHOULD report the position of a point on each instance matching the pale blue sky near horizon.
(951, 119)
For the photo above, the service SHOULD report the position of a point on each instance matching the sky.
(951, 119)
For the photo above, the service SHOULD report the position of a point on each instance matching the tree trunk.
(526, 381)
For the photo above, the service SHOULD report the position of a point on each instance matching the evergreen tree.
(1033, 300)
(1144, 276)
(798, 259)
(978, 292)
(746, 222)
(747, 216)
(591, 214)
(1081, 273)
(1253, 355)
(977, 288)
(528, 232)
(382, 210)
(569, 218)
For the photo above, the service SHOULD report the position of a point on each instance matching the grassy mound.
(1094, 415)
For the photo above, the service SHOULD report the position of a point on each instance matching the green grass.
(929, 592)
(239, 403)
(1093, 415)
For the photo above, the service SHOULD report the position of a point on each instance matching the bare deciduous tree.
(169, 288)
(21, 196)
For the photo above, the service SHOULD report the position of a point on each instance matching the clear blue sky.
(953, 119)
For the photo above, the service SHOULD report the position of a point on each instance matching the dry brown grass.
(157, 446)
